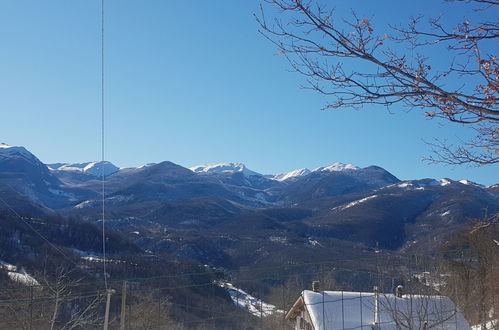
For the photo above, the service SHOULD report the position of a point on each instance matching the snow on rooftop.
(88, 256)
(351, 310)
(489, 325)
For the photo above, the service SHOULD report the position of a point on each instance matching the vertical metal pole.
(361, 316)
(129, 311)
(123, 306)
(376, 307)
(159, 312)
(30, 307)
(261, 309)
(342, 310)
(108, 302)
(323, 312)
(284, 305)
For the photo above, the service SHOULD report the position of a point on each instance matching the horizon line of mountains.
(107, 168)
(216, 214)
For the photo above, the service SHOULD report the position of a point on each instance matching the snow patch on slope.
(446, 213)
(253, 305)
(419, 184)
(471, 183)
(336, 167)
(18, 276)
(291, 175)
(93, 257)
(445, 182)
(224, 168)
(7, 150)
(92, 168)
(145, 165)
(23, 278)
(357, 202)
(84, 204)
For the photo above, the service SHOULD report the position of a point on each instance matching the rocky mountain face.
(227, 215)
(24, 174)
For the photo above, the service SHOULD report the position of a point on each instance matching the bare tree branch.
(328, 51)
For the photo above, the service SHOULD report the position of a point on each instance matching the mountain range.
(226, 215)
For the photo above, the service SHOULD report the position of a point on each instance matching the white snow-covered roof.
(355, 310)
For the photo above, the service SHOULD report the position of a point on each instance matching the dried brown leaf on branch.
(357, 64)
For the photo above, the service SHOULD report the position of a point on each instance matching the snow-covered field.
(18, 276)
(246, 301)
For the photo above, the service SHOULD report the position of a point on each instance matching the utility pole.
(261, 308)
(108, 302)
(31, 307)
(123, 306)
(376, 308)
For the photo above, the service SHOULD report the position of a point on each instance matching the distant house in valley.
(333, 310)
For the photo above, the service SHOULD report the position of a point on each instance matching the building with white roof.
(332, 310)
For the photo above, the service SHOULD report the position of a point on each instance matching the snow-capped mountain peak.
(99, 168)
(471, 183)
(445, 181)
(7, 150)
(92, 168)
(145, 165)
(291, 175)
(224, 168)
(336, 167)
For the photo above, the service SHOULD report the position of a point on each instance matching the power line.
(36, 231)
(288, 268)
(103, 178)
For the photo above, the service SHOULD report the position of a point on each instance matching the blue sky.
(194, 82)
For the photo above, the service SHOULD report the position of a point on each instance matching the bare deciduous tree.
(80, 314)
(50, 305)
(356, 65)
(474, 271)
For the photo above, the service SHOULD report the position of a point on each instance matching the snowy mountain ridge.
(95, 168)
(224, 168)
(7, 150)
(92, 168)
(291, 175)
(336, 167)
